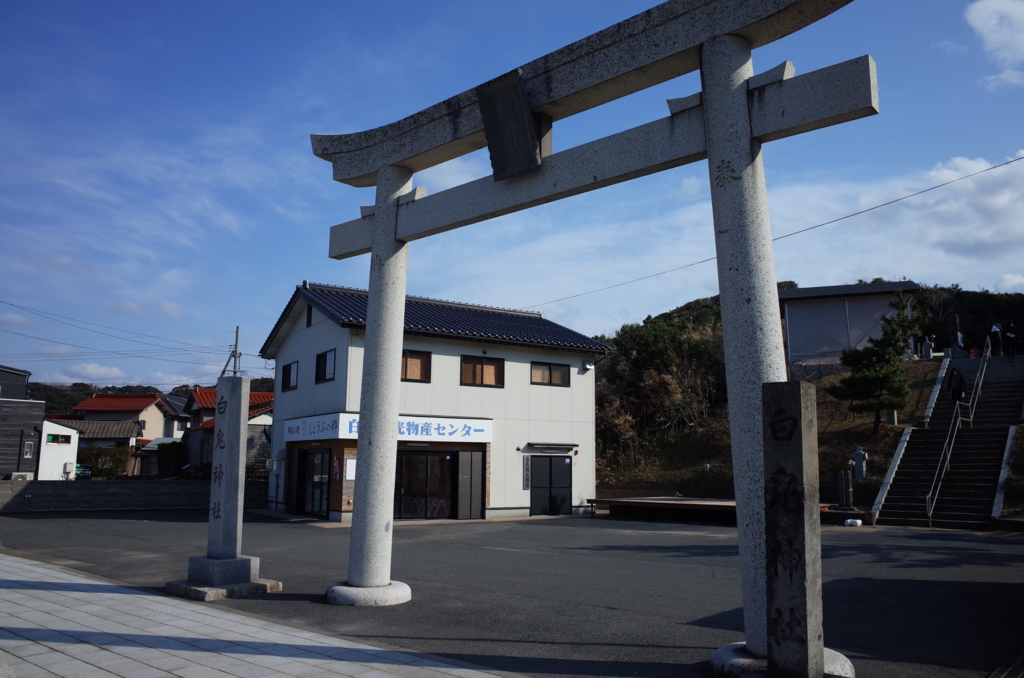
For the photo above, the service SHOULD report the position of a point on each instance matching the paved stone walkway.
(58, 622)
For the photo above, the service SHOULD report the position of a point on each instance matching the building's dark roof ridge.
(431, 300)
(854, 289)
(16, 370)
(346, 306)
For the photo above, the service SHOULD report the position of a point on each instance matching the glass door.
(423, 486)
(315, 477)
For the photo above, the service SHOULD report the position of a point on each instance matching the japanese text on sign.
(346, 425)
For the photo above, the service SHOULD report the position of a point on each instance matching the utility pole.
(237, 354)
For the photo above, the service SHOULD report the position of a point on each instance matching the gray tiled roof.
(176, 402)
(434, 317)
(104, 430)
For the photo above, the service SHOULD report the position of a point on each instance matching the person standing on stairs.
(1010, 339)
(956, 385)
(996, 335)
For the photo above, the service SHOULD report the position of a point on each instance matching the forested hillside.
(662, 404)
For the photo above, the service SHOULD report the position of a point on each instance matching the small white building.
(60, 447)
(497, 409)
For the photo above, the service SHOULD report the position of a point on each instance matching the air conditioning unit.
(23, 476)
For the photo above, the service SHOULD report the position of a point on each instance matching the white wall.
(51, 456)
(302, 344)
(522, 412)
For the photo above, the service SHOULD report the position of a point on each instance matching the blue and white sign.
(425, 429)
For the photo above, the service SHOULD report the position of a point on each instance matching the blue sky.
(156, 176)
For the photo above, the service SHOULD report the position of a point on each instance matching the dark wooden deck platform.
(701, 508)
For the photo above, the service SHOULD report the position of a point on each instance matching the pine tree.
(877, 381)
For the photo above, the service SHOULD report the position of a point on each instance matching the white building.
(60, 447)
(497, 409)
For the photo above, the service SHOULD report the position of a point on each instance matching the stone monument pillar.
(224, 572)
(792, 531)
(369, 559)
(751, 323)
(793, 615)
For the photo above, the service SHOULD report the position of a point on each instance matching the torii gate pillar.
(751, 327)
(369, 559)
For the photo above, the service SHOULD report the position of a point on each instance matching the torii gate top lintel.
(645, 50)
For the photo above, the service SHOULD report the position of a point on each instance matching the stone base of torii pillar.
(733, 661)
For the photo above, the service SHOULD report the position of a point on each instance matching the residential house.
(59, 452)
(21, 423)
(201, 408)
(496, 409)
(156, 417)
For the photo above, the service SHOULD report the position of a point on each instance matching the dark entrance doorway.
(550, 486)
(423, 485)
(470, 499)
(313, 475)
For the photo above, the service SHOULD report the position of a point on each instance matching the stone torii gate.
(726, 123)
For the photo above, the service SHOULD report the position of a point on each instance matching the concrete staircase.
(969, 486)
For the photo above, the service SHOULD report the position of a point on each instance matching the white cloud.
(455, 172)
(1000, 25)
(96, 372)
(1010, 282)
(950, 47)
(1007, 78)
(56, 350)
(128, 308)
(168, 309)
(691, 186)
(14, 319)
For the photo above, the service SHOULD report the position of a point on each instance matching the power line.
(129, 355)
(57, 318)
(788, 235)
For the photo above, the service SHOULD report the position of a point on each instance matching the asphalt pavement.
(581, 596)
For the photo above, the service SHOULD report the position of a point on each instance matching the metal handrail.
(979, 378)
(940, 472)
(954, 427)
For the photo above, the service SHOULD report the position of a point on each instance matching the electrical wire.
(788, 235)
(129, 355)
(57, 319)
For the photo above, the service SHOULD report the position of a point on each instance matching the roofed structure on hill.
(822, 322)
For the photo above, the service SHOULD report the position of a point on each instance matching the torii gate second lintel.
(780, 106)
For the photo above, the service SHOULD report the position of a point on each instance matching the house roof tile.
(106, 429)
(255, 409)
(207, 398)
(117, 402)
(434, 317)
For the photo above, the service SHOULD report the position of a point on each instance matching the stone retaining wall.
(18, 496)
